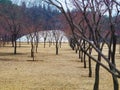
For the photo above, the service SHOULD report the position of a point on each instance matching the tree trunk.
(84, 55)
(3, 43)
(49, 43)
(19, 42)
(36, 44)
(15, 47)
(90, 69)
(76, 48)
(115, 80)
(81, 56)
(44, 42)
(60, 44)
(27, 40)
(79, 53)
(12, 41)
(32, 50)
(119, 48)
(56, 48)
(97, 70)
(36, 47)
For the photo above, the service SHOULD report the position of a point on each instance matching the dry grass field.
(48, 72)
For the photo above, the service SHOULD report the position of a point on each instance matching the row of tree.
(19, 20)
(93, 24)
(90, 25)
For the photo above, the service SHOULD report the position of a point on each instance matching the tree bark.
(32, 50)
(84, 55)
(12, 41)
(97, 70)
(15, 47)
(115, 80)
(44, 42)
(56, 48)
(79, 53)
(15, 44)
(90, 68)
(19, 42)
(81, 56)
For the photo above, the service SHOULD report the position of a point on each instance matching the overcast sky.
(27, 1)
(33, 2)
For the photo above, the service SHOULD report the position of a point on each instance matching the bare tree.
(57, 34)
(50, 38)
(12, 15)
(44, 35)
(91, 23)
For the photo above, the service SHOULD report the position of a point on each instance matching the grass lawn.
(48, 71)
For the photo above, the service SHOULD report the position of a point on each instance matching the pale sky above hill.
(33, 2)
(27, 1)
(37, 2)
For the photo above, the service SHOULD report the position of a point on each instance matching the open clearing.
(48, 72)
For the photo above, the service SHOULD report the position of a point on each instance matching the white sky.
(27, 1)
(35, 2)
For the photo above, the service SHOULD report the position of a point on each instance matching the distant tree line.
(18, 20)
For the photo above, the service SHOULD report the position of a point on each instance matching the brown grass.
(48, 72)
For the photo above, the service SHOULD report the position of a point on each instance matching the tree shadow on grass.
(75, 60)
(6, 59)
(35, 60)
(23, 46)
(9, 54)
(87, 76)
(81, 67)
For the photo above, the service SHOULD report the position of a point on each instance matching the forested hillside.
(19, 19)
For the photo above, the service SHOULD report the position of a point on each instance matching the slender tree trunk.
(81, 54)
(3, 43)
(84, 55)
(60, 44)
(97, 70)
(0, 43)
(15, 47)
(36, 47)
(56, 48)
(32, 50)
(119, 47)
(36, 44)
(12, 41)
(115, 80)
(44, 42)
(77, 48)
(19, 42)
(90, 68)
(27, 40)
(60, 41)
(73, 48)
(49, 43)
